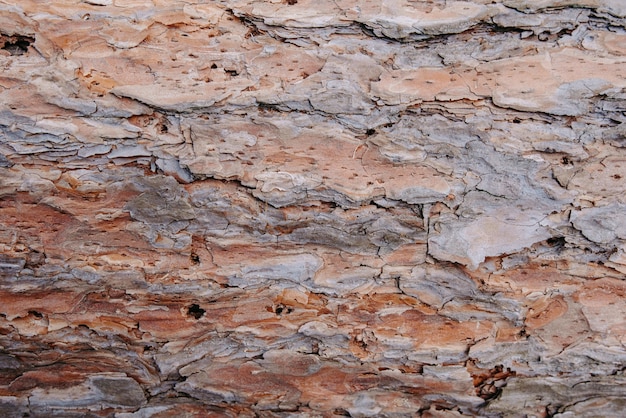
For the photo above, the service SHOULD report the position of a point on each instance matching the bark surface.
(312, 208)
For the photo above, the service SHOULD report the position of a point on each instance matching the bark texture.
(312, 208)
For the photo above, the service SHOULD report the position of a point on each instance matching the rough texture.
(312, 208)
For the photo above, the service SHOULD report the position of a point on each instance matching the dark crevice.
(556, 242)
(36, 314)
(16, 44)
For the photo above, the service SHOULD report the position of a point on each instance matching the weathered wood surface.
(312, 208)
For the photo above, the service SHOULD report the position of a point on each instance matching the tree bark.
(312, 208)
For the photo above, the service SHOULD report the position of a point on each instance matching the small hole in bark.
(565, 161)
(36, 314)
(291, 2)
(17, 45)
(617, 176)
(195, 258)
(517, 120)
(370, 132)
(281, 309)
(558, 242)
(196, 311)
(213, 66)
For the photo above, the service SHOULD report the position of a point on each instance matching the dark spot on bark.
(35, 314)
(370, 132)
(558, 242)
(16, 45)
(196, 311)
(281, 309)
(195, 258)
(268, 107)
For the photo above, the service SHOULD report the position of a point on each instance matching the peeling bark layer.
(312, 208)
